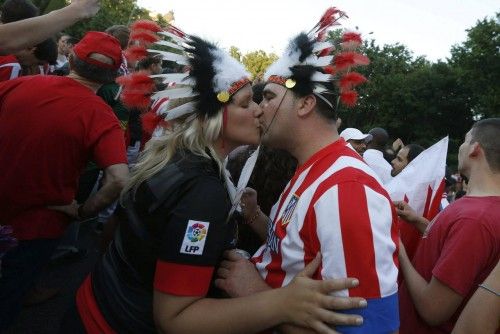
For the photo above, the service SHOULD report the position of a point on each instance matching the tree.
(112, 12)
(477, 61)
(257, 62)
(235, 53)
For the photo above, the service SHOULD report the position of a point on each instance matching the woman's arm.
(305, 302)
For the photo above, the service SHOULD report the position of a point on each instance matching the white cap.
(355, 134)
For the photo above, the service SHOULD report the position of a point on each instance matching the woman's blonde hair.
(192, 133)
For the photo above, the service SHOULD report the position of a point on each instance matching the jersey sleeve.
(469, 244)
(192, 240)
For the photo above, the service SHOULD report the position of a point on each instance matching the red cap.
(101, 43)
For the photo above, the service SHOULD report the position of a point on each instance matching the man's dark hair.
(121, 33)
(379, 139)
(47, 51)
(16, 10)
(90, 71)
(72, 40)
(324, 109)
(413, 151)
(257, 90)
(487, 133)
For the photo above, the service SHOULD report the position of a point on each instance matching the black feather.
(302, 75)
(203, 72)
(305, 45)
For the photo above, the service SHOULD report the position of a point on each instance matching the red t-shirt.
(50, 127)
(460, 249)
(9, 68)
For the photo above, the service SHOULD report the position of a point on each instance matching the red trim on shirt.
(91, 316)
(182, 279)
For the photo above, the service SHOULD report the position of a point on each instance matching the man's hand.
(69, 209)
(406, 212)
(86, 8)
(397, 145)
(238, 276)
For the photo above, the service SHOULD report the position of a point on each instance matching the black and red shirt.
(170, 238)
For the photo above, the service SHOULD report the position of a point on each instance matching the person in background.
(374, 154)
(357, 139)
(57, 128)
(461, 246)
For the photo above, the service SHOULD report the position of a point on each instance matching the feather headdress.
(208, 79)
(311, 65)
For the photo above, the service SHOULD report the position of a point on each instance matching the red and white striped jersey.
(334, 204)
(9, 68)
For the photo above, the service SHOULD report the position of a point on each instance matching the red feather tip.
(176, 31)
(146, 25)
(325, 52)
(150, 121)
(135, 100)
(329, 69)
(135, 52)
(144, 36)
(349, 98)
(352, 37)
(347, 59)
(136, 89)
(328, 19)
(350, 80)
(321, 36)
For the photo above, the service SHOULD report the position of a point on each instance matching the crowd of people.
(226, 205)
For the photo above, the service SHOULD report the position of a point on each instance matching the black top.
(156, 226)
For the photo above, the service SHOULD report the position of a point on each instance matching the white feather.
(174, 37)
(227, 70)
(171, 77)
(317, 76)
(179, 59)
(181, 110)
(170, 44)
(319, 62)
(174, 93)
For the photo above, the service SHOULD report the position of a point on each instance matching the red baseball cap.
(101, 43)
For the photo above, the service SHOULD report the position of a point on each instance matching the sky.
(427, 27)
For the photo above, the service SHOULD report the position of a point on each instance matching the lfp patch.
(194, 239)
(290, 208)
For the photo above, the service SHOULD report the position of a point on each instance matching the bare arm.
(34, 30)
(434, 301)
(115, 177)
(305, 303)
(482, 312)
(252, 214)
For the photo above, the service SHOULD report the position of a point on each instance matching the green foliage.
(477, 62)
(112, 12)
(256, 62)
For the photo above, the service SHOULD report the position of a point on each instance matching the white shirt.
(375, 159)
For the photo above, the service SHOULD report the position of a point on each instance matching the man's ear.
(306, 105)
(475, 149)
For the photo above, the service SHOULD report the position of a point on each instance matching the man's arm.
(434, 301)
(406, 212)
(115, 177)
(34, 30)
